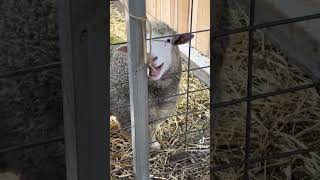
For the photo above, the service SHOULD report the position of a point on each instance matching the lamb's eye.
(168, 40)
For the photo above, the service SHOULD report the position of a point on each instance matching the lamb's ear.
(182, 39)
(123, 49)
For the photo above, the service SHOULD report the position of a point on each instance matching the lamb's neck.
(158, 89)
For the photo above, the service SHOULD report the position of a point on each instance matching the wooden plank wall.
(177, 14)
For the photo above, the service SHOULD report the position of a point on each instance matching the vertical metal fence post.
(83, 41)
(249, 90)
(138, 89)
(213, 88)
(217, 50)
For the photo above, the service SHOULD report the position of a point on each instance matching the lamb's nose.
(155, 58)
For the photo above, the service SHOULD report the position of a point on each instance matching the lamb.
(163, 80)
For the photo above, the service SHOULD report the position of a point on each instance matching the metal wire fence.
(248, 161)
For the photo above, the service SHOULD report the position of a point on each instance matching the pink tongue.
(154, 72)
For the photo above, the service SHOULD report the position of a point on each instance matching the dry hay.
(117, 24)
(279, 124)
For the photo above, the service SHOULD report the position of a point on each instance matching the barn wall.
(177, 14)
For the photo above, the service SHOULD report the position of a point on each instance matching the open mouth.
(154, 71)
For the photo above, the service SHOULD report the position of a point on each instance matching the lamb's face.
(161, 56)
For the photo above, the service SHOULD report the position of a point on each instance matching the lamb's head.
(163, 54)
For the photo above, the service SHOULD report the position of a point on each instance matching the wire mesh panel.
(266, 131)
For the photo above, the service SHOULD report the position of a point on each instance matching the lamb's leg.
(154, 144)
(114, 123)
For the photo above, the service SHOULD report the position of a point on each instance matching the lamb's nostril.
(155, 58)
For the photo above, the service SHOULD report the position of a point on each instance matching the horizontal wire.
(165, 97)
(169, 74)
(119, 83)
(192, 69)
(181, 160)
(31, 144)
(167, 147)
(197, 164)
(266, 95)
(285, 154)
(265, 25)
(203, 172)
(251, 160)
(120, 107)
(31, 69)
(188, 132)
(182, 134)
(184, 159)
(254, 97)
(180, 94)
(155, 38)
(180, 114)
(266, 158)
(175, 162)
(189, 166)
(155, 120)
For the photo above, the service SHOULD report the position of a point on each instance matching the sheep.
(163, 78)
